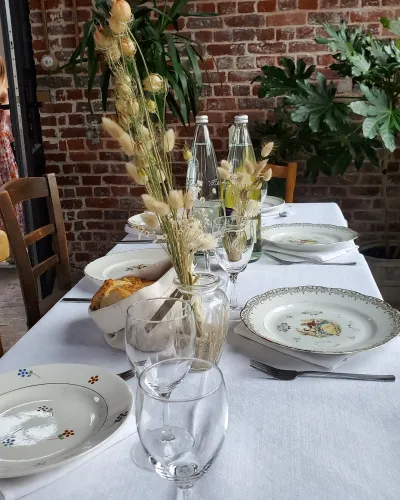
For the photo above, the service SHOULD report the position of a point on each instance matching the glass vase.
(211, 313)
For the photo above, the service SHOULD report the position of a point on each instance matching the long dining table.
(307, 439)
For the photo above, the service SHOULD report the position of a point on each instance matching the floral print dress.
(8, 165)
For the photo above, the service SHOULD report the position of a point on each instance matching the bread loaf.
(112, 291)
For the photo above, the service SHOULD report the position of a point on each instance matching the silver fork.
(292, 374)
(309, 261)
(126, 375)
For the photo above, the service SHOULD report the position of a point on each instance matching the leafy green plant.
(165, 52)
(317, 122)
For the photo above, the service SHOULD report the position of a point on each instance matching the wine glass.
(197, 407)
(235, 240)
(157, 329)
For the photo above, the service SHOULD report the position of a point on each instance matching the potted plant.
(334, 131)
(163, 51)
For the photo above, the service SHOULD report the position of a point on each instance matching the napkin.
(321, 256)
(18, 487)
(326, 360)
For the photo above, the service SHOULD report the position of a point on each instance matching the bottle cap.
(241, 119)
(201, 119)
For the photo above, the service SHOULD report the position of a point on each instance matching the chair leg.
(1, 349)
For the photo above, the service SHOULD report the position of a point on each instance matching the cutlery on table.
(292, 374)
(76, 299)
(308, 261)
(126, 375)
(132, 242)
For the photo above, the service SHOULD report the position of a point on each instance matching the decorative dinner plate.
(271, 203)
(117, 265)
(307, 237)
(321, 320)
(136, 220)
(51, 414)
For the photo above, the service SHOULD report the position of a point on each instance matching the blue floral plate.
(53, 413)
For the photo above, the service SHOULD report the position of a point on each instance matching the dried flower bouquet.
(142, 136)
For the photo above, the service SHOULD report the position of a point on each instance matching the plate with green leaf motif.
(51, 414)
(321, 320)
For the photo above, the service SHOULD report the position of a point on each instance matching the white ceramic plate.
(307, 237)
(321, 320)
(271, 203)
(136, 220)
(117, 265)
(51, 414)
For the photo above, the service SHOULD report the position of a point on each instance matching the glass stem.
(234, 300)
(183, 494)
(166, 432)
(207, 264)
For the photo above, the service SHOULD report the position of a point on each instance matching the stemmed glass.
(158, 329)
(235, 240)
(197, 406)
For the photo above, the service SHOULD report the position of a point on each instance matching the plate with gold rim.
(321, 320)
(51, 414)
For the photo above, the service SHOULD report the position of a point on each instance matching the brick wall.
(96, 194)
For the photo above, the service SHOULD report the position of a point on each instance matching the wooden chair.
(17, 191)
(289, 173)
(4, 254)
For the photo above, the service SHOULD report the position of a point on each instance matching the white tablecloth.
(309, 439)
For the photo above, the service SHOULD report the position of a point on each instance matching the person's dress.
(8, 165)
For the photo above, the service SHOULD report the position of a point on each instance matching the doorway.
(23, 107)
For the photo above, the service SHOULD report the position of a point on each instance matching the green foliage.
(315, 123)
(278, 82)
(165, 51)
(318, 105)
(381, 119)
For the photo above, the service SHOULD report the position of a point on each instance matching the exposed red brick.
(266, 6)
(308, 4)
(289, 18)
(246, 7)
(267, 48)
(237, 21)
(226, 7)
(285, 34)
(362, 16)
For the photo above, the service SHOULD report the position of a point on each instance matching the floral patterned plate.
(308, 237)
(50, 414)
(321, 320)
(117, 265)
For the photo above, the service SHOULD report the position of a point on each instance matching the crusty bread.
(112, 291)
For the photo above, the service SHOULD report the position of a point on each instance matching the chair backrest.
(17, 191)
(289, 173)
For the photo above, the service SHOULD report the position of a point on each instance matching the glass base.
(139, 455)
(170, 442)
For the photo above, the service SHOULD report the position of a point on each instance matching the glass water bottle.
(240, 150)
(202, 177)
